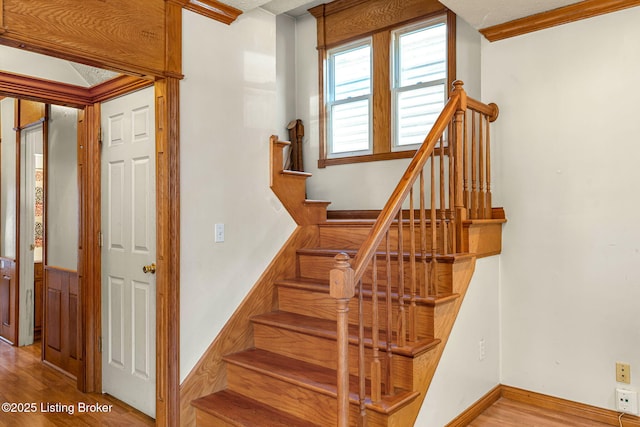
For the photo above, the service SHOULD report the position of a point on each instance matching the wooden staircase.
(301, 361)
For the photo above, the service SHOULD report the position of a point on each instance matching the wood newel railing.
(451, 191)
(342, 288)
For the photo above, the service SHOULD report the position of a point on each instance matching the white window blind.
(349, 100)
(420, 76)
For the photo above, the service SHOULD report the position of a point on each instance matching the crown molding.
(563, 15)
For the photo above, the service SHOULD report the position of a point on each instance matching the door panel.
(8, 301)
(60, 346)
(128, 218)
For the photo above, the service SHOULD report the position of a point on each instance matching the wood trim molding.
(213, 9)
(564, 406)
(555, 17)
(477, 408)
(209, 375)
(168, 252)
(41, 90)
(116, 87)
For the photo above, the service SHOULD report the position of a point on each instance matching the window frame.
(340, 23)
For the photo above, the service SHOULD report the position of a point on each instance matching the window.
(383, 91)
(420, 79)
(349, 100)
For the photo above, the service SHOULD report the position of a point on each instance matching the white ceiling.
(478, 13)
(486, 13)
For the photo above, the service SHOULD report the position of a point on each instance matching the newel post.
(458, 149)
(342, 288)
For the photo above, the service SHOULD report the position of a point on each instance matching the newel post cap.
(341, 283)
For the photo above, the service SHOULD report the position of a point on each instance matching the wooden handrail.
(450, 203)
(401, 191)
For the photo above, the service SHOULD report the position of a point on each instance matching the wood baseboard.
(564, 406)
(477, 408)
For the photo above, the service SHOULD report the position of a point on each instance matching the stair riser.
(323, 352)
(352, 237)
(204, 419)
(321, 305)
(317, 267)
(293, 399)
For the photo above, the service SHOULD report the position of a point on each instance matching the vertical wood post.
(342, 288)
(460, 209)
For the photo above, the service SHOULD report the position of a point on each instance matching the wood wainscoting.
(8, 301)
(61, 344)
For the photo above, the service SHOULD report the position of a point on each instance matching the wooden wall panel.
(60, 343)
(8, 301)
(346, 20)
(125, 35)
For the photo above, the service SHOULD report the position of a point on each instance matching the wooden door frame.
(167, 98)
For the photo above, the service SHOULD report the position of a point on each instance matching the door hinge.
(100, 135)
(99, 344)
(100, 239)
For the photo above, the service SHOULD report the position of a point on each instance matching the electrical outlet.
(219, 237)
(627, 401)
(623, 373)
(482, 350)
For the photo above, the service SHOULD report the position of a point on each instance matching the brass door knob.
(150, 268)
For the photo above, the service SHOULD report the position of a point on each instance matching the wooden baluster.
(376, 369)
(488, 214)
(402, 319)
(423, 238)
(362, 375)
(434, 230)
(465, 160)
(389, 332)
(413, 326)
(461, 170)
(481, 166)
(474, 168)
(443, 223)
(452, 193)
(342, 288)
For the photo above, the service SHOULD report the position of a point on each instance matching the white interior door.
(129, 244)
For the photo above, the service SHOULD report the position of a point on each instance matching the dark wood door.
(8, 301)
(61, 343)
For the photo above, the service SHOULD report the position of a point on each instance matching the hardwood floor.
(509, 413)
(52, 397)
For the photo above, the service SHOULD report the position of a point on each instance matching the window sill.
(322, 163)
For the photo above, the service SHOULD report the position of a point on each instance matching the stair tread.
(313, 377)
(317, 202)
(330, 252)
(239, 410)
(327, 329)
(317, 286)
(298, 174)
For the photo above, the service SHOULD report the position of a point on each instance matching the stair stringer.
(209, 374)
(425, 365)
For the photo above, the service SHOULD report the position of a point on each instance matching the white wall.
(567, 143)
(8, 180)
(464, 375)
(285, 74)
(227, 104)
(62, 207)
